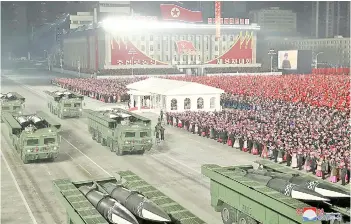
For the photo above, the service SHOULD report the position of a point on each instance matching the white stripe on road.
(34, 221)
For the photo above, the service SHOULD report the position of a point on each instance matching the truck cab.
(34, 137)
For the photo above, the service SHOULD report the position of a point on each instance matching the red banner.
(218, 18)
(174, 12)
(239, 53)
(125, 53)
(185, 47)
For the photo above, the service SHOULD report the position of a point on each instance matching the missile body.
(316, 186)
(138, 204)
(287, 188)
(108, 207)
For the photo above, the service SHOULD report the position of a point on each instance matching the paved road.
(173, 168)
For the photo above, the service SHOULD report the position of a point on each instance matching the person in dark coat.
(250, 144)
(231, 138)
(193, 128)
(275, 153)
(162, 133)
(288, 158)
(313, 164)
(241, 142)
(343, 172)
(161, 115)
(300, 160)
(325, 168)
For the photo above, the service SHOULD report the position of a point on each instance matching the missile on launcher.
(324, 189)
(108, 207)
(137, 203)
(285, 187)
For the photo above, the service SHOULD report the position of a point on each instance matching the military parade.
(179, 118)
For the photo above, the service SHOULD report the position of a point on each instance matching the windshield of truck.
(144, 134)
(5, 108)
(129, 134)
(16, 107)
(77, 105)
(67, 105)
(31, 142)
(48, 141)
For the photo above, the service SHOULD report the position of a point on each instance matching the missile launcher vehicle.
(12, 103)
(65, 104)
(129, 200)
(120, 130)
(34, 136)
(244, 197)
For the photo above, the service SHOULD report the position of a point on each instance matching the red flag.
(174, 12)
(185, 47)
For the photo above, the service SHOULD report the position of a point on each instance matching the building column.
(139, 103)
(131, 100)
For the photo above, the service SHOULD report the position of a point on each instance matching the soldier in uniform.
(162, 133)
(343, 173)
(241, 142)
(324, 167)
(193, 127)
(288, 158)
(231, 138)
(299, 160)
(161, 114)
(249, 143)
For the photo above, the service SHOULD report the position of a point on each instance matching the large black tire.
(244, 219)
(228, 214)
(141, 152)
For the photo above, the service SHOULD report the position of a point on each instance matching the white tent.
(173, 95)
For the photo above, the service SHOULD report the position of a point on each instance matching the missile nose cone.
(121, 215)
(301, 193)
(152, 212)
(330, 191)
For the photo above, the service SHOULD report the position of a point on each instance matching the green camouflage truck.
(244, 200)
(120, 130)
(82, 211)
(65, 104)
(34, 136)
(12, 103)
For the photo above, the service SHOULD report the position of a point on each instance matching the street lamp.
(316, 65)
(272, 53)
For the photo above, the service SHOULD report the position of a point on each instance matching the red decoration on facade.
(120, 54)
(239, 53)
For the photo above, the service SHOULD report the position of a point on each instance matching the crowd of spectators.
(302, 119)
(328, 90)
(306, 137)
(106, 90)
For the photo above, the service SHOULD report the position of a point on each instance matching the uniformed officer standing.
(241, 142)
(161, 115)
(343, 172)
(162, 133)
(232, 139)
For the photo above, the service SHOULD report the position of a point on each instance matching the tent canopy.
(172, 87)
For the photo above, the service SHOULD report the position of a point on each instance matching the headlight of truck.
(64, 109)
(127, 142)
(149, 141)
(80, 109)
(29, 150)
(55, 148)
